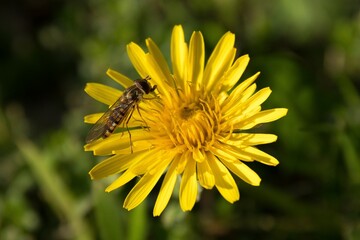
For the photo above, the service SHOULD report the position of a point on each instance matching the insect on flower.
(201, 126)
(121, 111)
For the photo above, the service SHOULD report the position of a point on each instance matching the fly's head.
(144, 85)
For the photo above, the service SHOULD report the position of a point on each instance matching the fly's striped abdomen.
(117, 116)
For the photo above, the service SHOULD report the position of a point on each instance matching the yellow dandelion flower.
(194, 128)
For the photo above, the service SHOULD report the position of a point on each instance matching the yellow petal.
(159, 78)
(103, 93)
(114, 164)
(240, 94)
(239, 139)
(144, 187)
(238, 120)
(185, 157)
(198, 154)
(221, 151)
(260, 156)
(107, 167)
(179, 51)
(249, 106)
(93, 118)
(219, 69)
(121, 79)
(160, 60)
(138, 59)
(137, 146)
(153, 159)
(220, 60)
(224, 182)
(120, 181)
(205, 175)
(261, 117)
(116, 141)
(195, 66)
(257, 99)
(242, 171)
(188, 186)
(167, 187)
(230, 153)
(150, 158)
(233, 75)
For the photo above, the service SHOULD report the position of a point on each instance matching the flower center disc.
(188, 111)
(194, 127)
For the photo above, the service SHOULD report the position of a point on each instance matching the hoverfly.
(121, 110)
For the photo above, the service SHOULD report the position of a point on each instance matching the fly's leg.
(138, 110)
(127, 128)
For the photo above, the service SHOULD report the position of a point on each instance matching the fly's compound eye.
(144, 85)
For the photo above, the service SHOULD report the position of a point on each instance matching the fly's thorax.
(132, 94)
(143, 85)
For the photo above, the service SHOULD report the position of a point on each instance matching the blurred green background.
(308, 53)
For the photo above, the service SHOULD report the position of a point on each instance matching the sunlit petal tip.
(284, 111)
(276, 163)
(111, 188)
(264, 94)
(273, 162)
(256, 184)
(228, 39)
(151, 44)
(178, 29)
(135, 49)
(177, 38)
(179, 52)
(196, 39)
(197, 43)
(243, 61)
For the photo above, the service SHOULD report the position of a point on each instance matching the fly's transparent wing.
(114, 115)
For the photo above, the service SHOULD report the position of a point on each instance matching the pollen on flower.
(193, 125)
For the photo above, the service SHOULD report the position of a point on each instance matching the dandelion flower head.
(197, 130)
